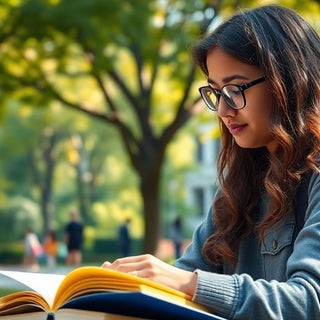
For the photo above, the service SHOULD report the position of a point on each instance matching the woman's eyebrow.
(229, 79)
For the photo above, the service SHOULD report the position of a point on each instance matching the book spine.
(50, 316)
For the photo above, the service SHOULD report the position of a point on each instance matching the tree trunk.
(81, 193)
(49, 158)
(149, 188)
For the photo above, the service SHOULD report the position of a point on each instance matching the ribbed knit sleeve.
(218, 290)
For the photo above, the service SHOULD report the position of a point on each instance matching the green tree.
(33, 143)
(125, 50)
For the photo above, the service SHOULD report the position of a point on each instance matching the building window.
(199, 200)
(199, 150)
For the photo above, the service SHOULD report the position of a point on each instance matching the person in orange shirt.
(50, 247)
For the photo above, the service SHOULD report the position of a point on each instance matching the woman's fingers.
(106, 264)
(151, 268)
(128, 264)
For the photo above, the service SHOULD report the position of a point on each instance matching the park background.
(100, 113)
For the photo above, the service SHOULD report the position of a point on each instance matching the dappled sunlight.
(115, 168)
(110, 215)
(181, 151)
(27, 212)
(130, 196)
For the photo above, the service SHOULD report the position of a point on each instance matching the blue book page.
(137, 304)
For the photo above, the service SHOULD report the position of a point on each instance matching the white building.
(202, 183)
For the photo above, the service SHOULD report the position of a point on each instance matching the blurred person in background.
(177, 237)
(74, 240)
(32, 250)
(50, 248)
(124, 238)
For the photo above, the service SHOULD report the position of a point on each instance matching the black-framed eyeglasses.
(233, 95)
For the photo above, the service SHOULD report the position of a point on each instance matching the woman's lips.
(236, 128)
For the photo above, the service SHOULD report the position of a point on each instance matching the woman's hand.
(151, 268)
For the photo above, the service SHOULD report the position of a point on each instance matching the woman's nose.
(224, 110)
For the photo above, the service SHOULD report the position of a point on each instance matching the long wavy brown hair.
(287, 49)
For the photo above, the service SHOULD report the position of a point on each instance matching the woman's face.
(249, 126)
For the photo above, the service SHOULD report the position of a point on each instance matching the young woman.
(251, 258)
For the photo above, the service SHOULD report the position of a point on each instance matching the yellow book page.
(96, 279)
(27, 316)
(15, 299)
(44, 284)
(55, 290)
(160, 294)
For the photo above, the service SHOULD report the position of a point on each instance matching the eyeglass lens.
(231, 93)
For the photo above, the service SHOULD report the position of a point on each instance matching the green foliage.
(11, 252)
(108, 246)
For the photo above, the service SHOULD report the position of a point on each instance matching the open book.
(96, 293)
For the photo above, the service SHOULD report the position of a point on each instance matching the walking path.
(165, 251)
